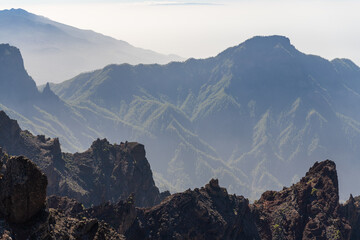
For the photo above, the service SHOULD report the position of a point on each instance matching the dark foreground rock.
(120, 215)
(309, 209)
(22, 189)
(351, 211)
(306, 210)
(205, 213)
(23, 208)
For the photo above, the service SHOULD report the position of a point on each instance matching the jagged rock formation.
(111, 172)
(351, 211)
(64, 227)
(67, 206)
(206, 213)
(104, 172)
(45, 152)
(23, 207)
(306, 210)
(120, 215)
(22, 189)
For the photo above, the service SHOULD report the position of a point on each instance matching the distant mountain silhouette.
(255, 116)
(55, 52)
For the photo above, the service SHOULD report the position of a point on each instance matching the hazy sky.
(329, 28)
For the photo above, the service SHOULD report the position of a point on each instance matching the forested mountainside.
(243, 116)
(55, 51)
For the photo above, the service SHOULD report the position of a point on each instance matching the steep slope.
(44, 112)
(276, 107)
(55, 52)
(104, 172)
(307, 210)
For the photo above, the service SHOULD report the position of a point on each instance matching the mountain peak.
(13, 76)
(18, 12)
(262, 45)
(274, 39)
(49, 94)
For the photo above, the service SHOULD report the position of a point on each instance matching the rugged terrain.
(275, 106)
(104, 172)
(24, 213)
(308, 209)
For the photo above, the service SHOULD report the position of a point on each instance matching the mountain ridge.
(51, 47)
(241, 116)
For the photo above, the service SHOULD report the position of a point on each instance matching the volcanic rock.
(206, 213)
(22, 189)
(306, 210)
(351, 211)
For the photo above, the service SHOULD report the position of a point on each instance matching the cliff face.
(306, 210)
(16, 85)
(104, 172)
(111, 172)
(351, 211)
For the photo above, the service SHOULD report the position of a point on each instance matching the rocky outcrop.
(306, 210)
(205, 213)
(16, 86)
(22, 189)
(351, 211)
(111, 172)
(105, 172)
(23, 208)
(120, 215)
(120, 173)
(309, 209)
(45, 152)
(65, 227)
(68, 206)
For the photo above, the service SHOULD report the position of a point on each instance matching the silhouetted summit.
(15, 85)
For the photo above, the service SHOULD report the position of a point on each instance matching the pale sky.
(329, 28)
